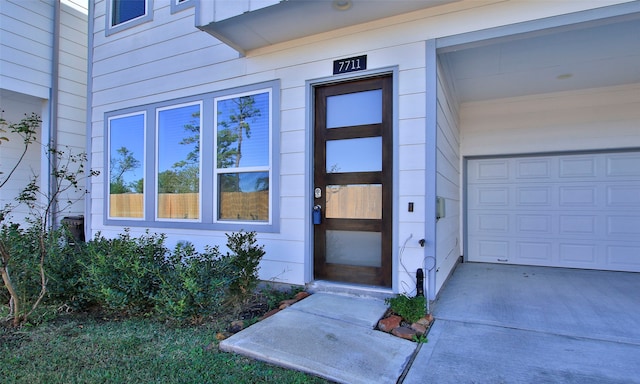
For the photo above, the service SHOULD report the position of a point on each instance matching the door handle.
(317, 215)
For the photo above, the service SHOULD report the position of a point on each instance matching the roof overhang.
(273, 22)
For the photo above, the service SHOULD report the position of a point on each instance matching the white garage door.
(577, 211)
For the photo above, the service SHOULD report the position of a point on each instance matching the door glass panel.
(354, 248)
(354, 155)
(359, 201)
(353, 109)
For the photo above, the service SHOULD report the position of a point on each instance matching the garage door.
(577, 211)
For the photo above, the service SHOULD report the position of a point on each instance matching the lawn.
(76, 349)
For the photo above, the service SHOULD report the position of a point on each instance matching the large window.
(200, 162)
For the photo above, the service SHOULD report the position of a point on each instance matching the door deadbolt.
(317, 193)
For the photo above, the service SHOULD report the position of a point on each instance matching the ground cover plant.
(74, 349)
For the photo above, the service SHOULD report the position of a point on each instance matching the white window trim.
(157, 152)
(177, 6)
(108, 165)
(111, 29)
(267, 168)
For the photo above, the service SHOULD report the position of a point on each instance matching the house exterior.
(364, 140)
(43, 70)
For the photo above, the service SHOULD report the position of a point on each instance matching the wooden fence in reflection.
(345, 201)
(252, 206)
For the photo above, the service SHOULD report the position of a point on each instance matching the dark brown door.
(352, 181)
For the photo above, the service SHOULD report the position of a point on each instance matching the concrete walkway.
(518, 324)
(330, 336)
(494, 324)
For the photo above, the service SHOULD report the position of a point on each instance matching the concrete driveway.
(521, 324)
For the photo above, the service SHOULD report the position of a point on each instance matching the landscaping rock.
(426, 320)
(419, 328)
(301, 295)
(286, 303)
(270, 313)
(404, 332)
(389, 323)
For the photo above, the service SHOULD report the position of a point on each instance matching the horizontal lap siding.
(447, 183)
(168, 58)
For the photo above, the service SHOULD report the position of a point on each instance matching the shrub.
(125, 273)
(245, 258)
(193, 283)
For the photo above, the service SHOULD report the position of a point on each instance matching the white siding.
(72, 88)
(447, 183)
(26, 38)
(567, 121)
(169, 58)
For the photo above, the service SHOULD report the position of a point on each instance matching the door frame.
(309, 163)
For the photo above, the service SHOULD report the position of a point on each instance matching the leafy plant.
(409, 308)
(193, 283)
(21, 265)
(125, 273)
(245, 258)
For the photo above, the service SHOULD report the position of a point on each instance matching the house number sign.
(351, 64)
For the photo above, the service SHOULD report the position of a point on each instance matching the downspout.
(89, 130)
(430, 255)
(53, 107)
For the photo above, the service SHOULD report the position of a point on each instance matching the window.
(204, 162)
(179, 5)
(123, 14)
(178, 162)
(125, 10)
(242, 156)
(126, 166)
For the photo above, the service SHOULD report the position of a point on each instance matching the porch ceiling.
(293, 19)
(588, 55)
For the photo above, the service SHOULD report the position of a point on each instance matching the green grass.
(75, 350)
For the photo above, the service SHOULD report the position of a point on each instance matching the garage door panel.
(577, 225)
(577, 166)
(577, 255)
(623, 196)
(624, 258)
(527, 169)
(535, 225)
(625, 226)
(625, 166)
(534, 196)
(529, 252)
(576, 211)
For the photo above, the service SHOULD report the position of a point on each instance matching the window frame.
(177, 5)
(240, 170)
(158, 110)
(107, 173)
(111, 28)
(208, 166)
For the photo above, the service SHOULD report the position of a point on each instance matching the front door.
(352, 194)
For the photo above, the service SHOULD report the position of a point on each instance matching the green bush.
(125, 273)
(193, 283)
(245, 258)
(409, 308)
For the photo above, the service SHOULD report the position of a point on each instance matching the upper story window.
(125, 10)
(201, 162)
(179, 5)
(123, 14)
